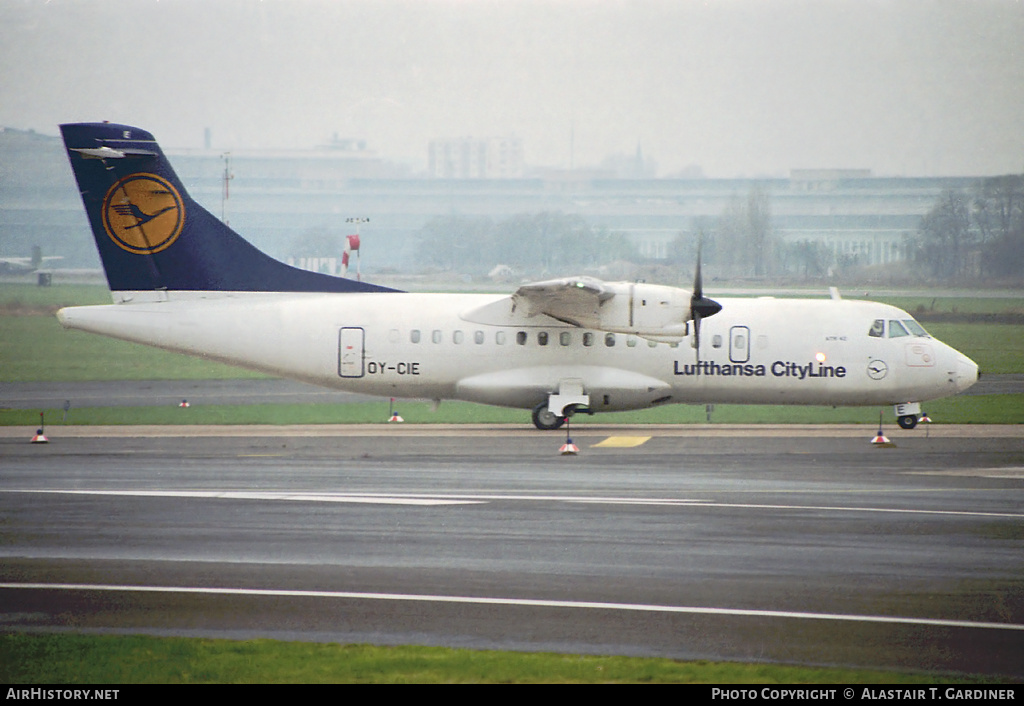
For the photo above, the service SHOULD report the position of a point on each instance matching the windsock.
(351, 245)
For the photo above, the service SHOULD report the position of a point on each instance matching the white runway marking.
(440, 499)
(536, 603)
(266, 495)
(839, 508)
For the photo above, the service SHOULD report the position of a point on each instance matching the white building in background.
(476, 158)
(278, 195)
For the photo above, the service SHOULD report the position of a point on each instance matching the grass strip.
(981, 409)
(99, 659)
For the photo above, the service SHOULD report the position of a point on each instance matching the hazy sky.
(739, 87)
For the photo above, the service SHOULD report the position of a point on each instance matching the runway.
(796, 545)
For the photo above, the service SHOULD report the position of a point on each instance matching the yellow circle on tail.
(143, 213)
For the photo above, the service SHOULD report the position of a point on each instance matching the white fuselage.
(478, 348)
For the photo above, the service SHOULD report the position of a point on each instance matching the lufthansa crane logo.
(143, 214)
(877, 369)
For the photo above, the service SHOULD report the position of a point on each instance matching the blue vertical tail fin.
(151, 235)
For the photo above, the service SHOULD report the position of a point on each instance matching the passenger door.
(350, 352)
(739, 344)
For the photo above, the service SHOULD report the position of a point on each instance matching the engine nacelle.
(653, 311)
(648, 310)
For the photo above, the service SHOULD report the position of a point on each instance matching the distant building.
(278, 195)
(473, 158)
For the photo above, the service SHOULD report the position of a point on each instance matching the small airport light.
(40, 437)
(568, 448)
(880, 439)
(393, 415)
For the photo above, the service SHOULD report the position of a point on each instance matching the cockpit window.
(896, 329)
(877, 328)
(914, 327)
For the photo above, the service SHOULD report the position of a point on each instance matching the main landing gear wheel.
(908, 421)
(546, 420)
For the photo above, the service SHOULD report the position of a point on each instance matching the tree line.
(974, 235)
(967, 236)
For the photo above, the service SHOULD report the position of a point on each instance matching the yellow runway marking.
(622, 442)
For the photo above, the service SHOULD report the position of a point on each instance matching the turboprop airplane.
(182, 280)
(26, 265)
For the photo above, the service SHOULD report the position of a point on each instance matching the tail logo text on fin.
(143, 213)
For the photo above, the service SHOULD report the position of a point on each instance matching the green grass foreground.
(987, 409)
(83, 659)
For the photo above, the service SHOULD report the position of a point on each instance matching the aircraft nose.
(966, 373)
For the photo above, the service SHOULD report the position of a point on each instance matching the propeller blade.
(698, 281)
(696, 336)
(701, 307)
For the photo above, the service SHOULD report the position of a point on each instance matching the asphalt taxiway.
(787, 544)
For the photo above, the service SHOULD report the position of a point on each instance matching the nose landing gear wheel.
(908, 421)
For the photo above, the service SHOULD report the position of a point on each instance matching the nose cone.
(966, 373)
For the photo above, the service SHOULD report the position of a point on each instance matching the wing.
(572, 300)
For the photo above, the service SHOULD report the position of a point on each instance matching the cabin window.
(588, 339)
(877, 329)
(521, 338)
(435, 336)
(631, 341)
(914, 327)
(457, 337)
(652, 344)
(609, 339)
(478, 337)
(896, 330)
(542, 338)
(565, 338)
(414, 335)
(499, 338)
(716, 341)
